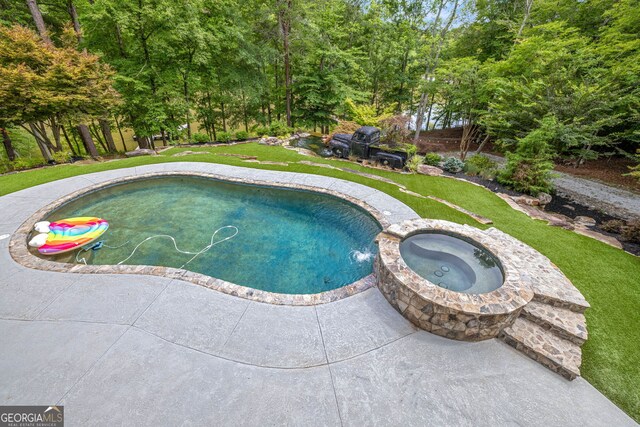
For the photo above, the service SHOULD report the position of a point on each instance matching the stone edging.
(457, 315)
(21, 254)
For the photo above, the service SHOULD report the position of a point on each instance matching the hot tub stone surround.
(461, 316)
(537, 310)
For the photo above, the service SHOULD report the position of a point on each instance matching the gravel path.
(594, 194)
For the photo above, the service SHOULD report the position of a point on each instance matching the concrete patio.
(143, 350)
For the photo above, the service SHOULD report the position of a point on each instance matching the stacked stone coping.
(20, 252)
(461, 316)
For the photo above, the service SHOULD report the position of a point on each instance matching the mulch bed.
(560, 205)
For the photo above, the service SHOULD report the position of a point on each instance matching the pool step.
(563, 322)
(544, 346)
(549, 284)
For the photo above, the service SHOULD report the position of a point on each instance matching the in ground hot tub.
(450, 279)
(452, 262)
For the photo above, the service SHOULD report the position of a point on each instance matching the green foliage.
(414, 163)
(635, 170)
(432, 159)
(528, 169)
(222, 136)
(481, 165)
(23, 163)
(367, 115)
(278, 128)
(242, 135)
(62, 157)
(453, 165)
(39, 80)
(410, 149)
(261, 130)
(200, 138)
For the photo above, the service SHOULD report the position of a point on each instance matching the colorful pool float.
(71, 233)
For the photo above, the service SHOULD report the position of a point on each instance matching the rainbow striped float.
(71, 233)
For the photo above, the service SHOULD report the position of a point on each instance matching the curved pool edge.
(357, 194)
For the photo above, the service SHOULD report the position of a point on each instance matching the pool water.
(313, 143)
(452, 263)
(288, 241)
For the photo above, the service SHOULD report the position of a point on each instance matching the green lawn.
(609, 278)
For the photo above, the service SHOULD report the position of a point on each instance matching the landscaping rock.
(429, 170)
(544, 198)
(272, 140)
(584, 221)
(527, 200)
(188, 152)
(140, 152)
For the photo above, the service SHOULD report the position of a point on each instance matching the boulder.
(140, 152)
(527, 200)
(584, 221)
(544, 198)
(429, 170)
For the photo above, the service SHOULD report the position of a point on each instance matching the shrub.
(22, 163)
(635, 170)
(223, 137)
(395, 130)
(411, 150)
(453, 165)
(481, 165)
(345, 126)
(261, 130)
(200, 137)
(62, 157)
(242, 135)
(279, 128)
(414, 162)
(432, 159)
(528, 169)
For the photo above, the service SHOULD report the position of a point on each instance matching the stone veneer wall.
(467, 317)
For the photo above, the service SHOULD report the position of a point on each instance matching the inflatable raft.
(72, 233)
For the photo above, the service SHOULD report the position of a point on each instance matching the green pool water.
(287, 241)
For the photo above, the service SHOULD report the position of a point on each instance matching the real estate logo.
(31, 416)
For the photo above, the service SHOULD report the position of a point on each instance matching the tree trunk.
(185, 87)
(55, 130)
(8, 146)
(93, 129)
(163, 135)
(87, 141)
(44, 149)
(224, 119)
(71, 8)
(432, 61)
(244, 112)
(527, 12)
(284, 16)
(124, 146)
(143, 142)
(66, 137)
(277, 82)
(108, 137)
(482, 144)
(37, 19)
(123, 53)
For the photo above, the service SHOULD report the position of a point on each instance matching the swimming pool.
(288, 241)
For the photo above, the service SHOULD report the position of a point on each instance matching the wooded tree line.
(502, 68)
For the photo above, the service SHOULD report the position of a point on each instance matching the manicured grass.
(609, 278)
